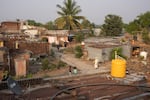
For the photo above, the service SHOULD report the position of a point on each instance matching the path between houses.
(85, 66)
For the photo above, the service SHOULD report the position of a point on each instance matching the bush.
(61, 64)
(119, 52)
(78, 52)
(52, 66)
(45, 64)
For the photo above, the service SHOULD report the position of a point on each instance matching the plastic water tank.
(118, 68)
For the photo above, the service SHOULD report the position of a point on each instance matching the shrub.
(119, 52)
(78, 52)
(45, 64)
(61, 64)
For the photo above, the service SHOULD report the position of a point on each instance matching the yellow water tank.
(118, 68)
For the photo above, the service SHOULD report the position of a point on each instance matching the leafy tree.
(133, 26)
(69, 15)
(140, 25)
(113, 25)
(146, 37)
(49, 25)
(86, 24)
(144, 20)
(34, 23)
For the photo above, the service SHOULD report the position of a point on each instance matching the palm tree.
(69, 19)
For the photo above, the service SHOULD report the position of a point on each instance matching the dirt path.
(54, 73)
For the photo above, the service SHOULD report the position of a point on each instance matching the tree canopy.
(86, 24)
(142, 22)
(50, 25)
(34, 23)
(140, 25)
(113, 25)
(69, 15)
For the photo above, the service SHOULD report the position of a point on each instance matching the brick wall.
(36, 47)
(10, 42)
(11, 25)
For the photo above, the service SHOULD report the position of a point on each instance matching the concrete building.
(101, 48)
(56, 36)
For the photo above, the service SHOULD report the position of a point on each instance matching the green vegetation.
(61, 64)
(34, 23)
(45, 64)
(69, 16)
(118, 51)
(113, 25)
(146, 37)
(140, 25)
(78, 52)
(86, 24)
(50, 25)
(79, 37)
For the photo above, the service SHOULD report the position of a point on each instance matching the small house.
(102, 48)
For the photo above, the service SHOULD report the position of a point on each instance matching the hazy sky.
(94, 10)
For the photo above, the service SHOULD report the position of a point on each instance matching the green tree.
(146, 37)
(144, 20)
(69, 15)
(34, 23)
(113, 25)
(86, 24)
(133, 27)
(140, 25)
(49, 25)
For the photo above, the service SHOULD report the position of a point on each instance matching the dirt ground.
(55, 72)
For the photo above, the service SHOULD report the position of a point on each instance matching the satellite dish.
(14, 86)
